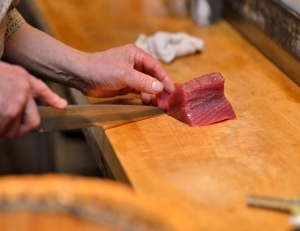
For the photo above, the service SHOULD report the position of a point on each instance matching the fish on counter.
(198, 102)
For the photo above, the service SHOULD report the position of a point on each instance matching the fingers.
(147, 64)
(11, 122)
(41, 91)
(30, 118)
(13, 127)
(18, 114)
(21, 121)
(118, 70)
(144, 83)
(148, 99)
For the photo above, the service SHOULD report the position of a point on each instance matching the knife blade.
(80, 116)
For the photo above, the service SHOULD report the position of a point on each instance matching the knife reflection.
(80, 116)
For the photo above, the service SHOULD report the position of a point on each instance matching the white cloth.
(166, 46)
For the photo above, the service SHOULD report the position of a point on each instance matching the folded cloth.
(166, 46)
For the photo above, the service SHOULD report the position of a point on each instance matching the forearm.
(46, 57)
(116, 71)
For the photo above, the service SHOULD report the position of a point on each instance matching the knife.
(80, 116)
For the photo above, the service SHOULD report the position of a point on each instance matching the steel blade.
(79, 116)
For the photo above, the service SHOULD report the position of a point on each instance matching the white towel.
(166, 46)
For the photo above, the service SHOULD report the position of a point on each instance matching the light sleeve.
(14, 21)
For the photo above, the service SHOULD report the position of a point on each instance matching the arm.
(102, 74)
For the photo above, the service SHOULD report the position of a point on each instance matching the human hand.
(117, 71)
(123, 70)
(18, 111)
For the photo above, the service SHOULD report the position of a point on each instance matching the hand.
(18, 111)
(109, 73)
(123, 70)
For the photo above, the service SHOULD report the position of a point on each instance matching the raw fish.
(199, 102)
(162, 98)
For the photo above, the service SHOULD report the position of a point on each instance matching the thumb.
(144, 83)
(41, 91)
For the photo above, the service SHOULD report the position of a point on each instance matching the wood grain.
(205, 173)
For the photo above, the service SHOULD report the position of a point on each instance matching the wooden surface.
(65, 202)
(204, 173)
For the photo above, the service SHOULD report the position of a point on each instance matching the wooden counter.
(204, 173)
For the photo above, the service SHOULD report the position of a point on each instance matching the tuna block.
(163, 97)
(200, 101)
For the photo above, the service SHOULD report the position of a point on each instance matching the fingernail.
(157, 86)
(63, 103)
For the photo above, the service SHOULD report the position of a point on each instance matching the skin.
(18, 88)
(113, 72)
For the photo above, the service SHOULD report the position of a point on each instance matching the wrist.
(73, 70)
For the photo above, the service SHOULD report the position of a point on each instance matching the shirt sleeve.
(14, 21)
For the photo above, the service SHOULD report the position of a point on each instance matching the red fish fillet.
(198, 102)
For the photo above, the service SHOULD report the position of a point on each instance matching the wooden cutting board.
(207, 172)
